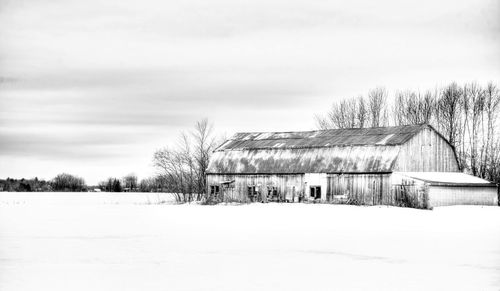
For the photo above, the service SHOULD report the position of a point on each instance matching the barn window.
(251, 191)
(315, 192)
(272, 193)
(214, 190)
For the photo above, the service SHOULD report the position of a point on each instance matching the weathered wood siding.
(288, 185)
(364, 189)
(427, 151)
(449, 195)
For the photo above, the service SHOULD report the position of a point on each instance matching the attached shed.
(451, 188)
(355, 166)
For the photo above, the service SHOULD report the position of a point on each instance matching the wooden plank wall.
(287, 185)
(426, 152)
(362, 189)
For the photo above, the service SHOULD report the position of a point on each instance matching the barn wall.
(427, 151)
(288, 186)
(315, 179)
(366, 189)
(477, 195)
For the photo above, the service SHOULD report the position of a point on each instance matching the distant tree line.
(25, 185)
(71, 183)
(126, 184)
(111, 185)
(61, 183)
(467, 115)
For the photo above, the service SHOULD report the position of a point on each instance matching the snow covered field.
(102, 241)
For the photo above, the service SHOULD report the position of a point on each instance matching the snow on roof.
(446, 177)
(302, 160)
(382, 136)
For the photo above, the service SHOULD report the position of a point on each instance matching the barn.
(412, 166)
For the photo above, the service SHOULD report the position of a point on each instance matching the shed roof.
(448, 178)
(367, 150)
(394, 135)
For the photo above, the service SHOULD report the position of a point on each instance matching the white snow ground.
(101, 241)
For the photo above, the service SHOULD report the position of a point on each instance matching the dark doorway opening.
(315, 192)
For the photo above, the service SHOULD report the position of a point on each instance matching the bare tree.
(322, 122)
(491, 108)
(413, 108)
(473, 102)
(68, 183)
(189, 164)
(362, 112)
(171, 169)
(399, 108)
(493, 169)
(449, 112)
(204, 144)
(183, 168)
(148, 185)
(377, 107)
(345, 113)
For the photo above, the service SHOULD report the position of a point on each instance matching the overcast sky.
(94, 87)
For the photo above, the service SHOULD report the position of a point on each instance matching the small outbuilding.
(411, 166)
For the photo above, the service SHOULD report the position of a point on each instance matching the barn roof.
(314, 160)
(394, 135)
(323, 151)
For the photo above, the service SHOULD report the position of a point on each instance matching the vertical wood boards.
(288, 186)
(427, 151)
(363, 189)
